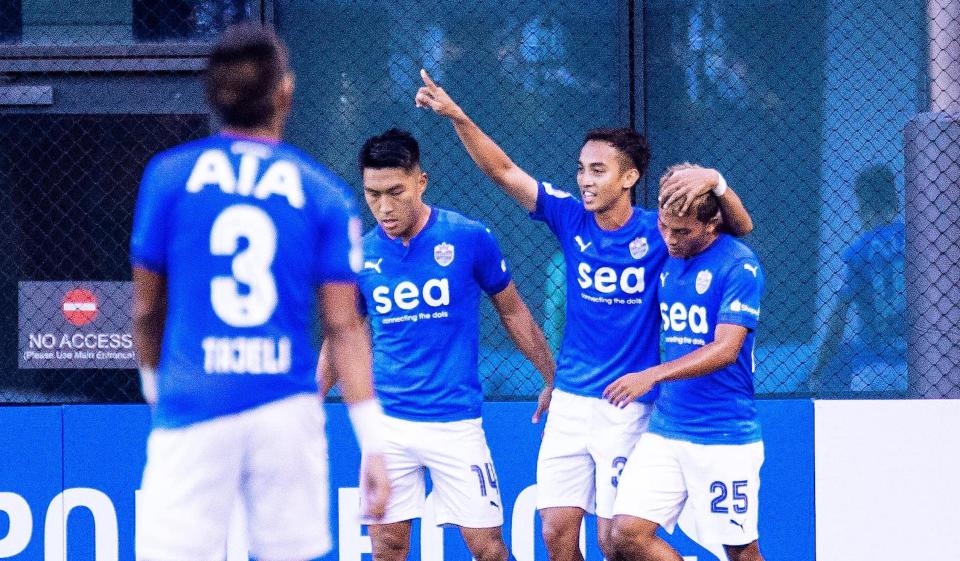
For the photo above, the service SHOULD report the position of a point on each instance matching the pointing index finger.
(427, 79)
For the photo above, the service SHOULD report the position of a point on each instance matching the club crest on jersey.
(639, 248)
(443, 254)
(703, 281)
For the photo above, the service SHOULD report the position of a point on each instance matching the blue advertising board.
(69, 475)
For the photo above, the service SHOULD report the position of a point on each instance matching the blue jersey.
(612, 326)
(876, 283)
(723, 284)
(423, 301)
(244, 231)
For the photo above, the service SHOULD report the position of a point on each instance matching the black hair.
(631, 144)
(247, 65)
(394, 148)
(876, 188)
(705, 206)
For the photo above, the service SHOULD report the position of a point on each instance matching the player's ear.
(630, 178)
(284, 95)
(422, 182)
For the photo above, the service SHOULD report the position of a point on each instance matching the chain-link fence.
(803, 106)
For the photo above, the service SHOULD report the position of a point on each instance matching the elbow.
(746, 226)
(727, 355)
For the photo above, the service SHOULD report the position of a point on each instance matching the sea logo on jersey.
(443, 254)
(678, 317)
(583, 246)
(375, 265)
(703, 281)
(639, 247)
(407, 295)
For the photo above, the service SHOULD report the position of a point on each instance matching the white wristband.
(721, 187)
(367, 420)
(148, 384)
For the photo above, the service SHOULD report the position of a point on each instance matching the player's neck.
(615, 217)
(707, 245)
(271, 132)
(418, 227)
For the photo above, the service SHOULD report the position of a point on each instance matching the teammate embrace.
(704, 441)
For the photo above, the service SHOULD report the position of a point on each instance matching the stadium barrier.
(69, 475)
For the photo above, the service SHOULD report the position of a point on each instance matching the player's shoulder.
(181, 156)
(454, 221)
(737, 255)
(314, 174)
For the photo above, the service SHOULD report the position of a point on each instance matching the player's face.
(395, 197)
(601, 176)
(685, 235)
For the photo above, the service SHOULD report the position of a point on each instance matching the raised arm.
(717, 354)
(684, 185)
(489, 157)
(528, 337)
(149, 314)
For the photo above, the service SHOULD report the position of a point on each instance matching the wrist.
(367, 420)
(148, 384)
(721, 187)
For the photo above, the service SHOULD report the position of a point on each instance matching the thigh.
(652, 485)
(617, 432)
(466, 490)
(724, 486)
(190, 486)
(406, 473)
(565, 468)
(286, 484)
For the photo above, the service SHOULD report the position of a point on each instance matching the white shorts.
(718, 484)
(465, 488)
(273, 458)
(585, 445)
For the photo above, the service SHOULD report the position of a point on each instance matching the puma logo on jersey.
(583, 246)
(375, 265)
(738, 524)
(751, 268)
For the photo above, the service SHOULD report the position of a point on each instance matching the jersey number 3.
(250, 266)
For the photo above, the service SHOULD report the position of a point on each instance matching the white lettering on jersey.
(663, 278)
(606, 279)
(246, 355)
(213, 167)
(676, 317)
(407, 295)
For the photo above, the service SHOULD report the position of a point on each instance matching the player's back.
(244, 231)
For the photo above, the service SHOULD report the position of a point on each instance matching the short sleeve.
(489, 267)
(740, 302)
(151, 223)
(340, 233)
(558, 208)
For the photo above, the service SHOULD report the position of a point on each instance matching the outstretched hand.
(682, 186)
(432, 96)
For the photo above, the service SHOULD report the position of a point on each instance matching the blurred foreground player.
(424, 271)
(703, 449)
(235, 238)
(613, 254)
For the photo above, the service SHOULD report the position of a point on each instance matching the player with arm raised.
(423, 274)
(703, 450)
(235, 237)
(613, 254)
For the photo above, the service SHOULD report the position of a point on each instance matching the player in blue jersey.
(703, 449)
(235, 237)
(613, 254)
(423, 274)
